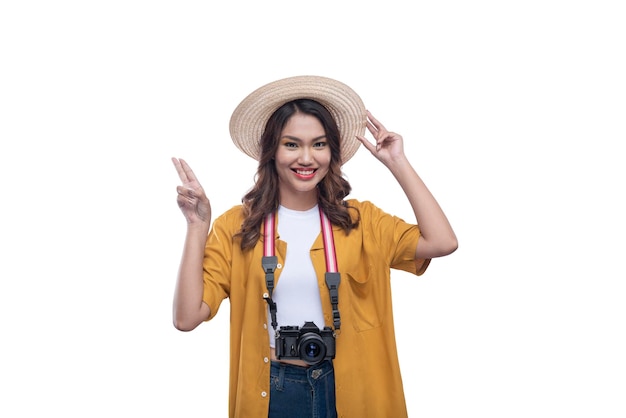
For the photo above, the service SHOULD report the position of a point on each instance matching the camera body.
(307, 343)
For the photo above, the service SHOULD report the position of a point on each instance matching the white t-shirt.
(297, 293)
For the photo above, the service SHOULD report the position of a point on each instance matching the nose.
(306, 156)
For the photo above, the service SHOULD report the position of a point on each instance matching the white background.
(513, 112)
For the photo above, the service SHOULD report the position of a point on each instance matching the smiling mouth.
(304, 173)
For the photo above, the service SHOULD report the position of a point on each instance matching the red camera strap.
(270, 262)
(328, 238)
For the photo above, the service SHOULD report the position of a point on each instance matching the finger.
(187, 197)
(180, 170)
(375, 121)
(367, 144)
(377, 129)
(188, 171)
(375, 133)
(184, 192)
(185, 172)
(380, 135)
(371, 128)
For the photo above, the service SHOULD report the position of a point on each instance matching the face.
(302, 161)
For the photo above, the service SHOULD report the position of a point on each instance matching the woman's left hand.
(388, 146)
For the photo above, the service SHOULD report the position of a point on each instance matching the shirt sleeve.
(217, 264)
(396, 239)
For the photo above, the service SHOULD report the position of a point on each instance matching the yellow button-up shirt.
(367, 372)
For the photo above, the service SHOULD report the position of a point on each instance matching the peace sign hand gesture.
(389, 146)
(191, 199)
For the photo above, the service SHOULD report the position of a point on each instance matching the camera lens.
(312, 348)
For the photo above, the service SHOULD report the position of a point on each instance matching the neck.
(300, 201)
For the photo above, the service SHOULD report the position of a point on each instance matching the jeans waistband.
(295, 372)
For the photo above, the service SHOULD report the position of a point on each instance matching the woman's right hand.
(189, 308)
(191, 199)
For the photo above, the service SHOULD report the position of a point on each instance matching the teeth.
(304, 173)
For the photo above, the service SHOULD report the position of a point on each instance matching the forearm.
(189, 310)
(438, 238)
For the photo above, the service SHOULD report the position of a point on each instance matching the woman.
(306, 270)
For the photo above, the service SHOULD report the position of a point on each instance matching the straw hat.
(247, 122)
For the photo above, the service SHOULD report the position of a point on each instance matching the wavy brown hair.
(263, 198)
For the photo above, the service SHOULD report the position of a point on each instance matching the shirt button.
(279, 266)
(266, 360)
(263, 394)
(264, 326)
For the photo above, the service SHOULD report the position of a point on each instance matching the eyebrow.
(293, 138)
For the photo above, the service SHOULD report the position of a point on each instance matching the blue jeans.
(302, 392)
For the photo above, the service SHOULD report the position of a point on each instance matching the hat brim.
(248, 120)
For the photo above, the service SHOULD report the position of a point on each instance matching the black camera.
(308, 343)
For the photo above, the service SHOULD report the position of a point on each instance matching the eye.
(320, 144)
(290, 144)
